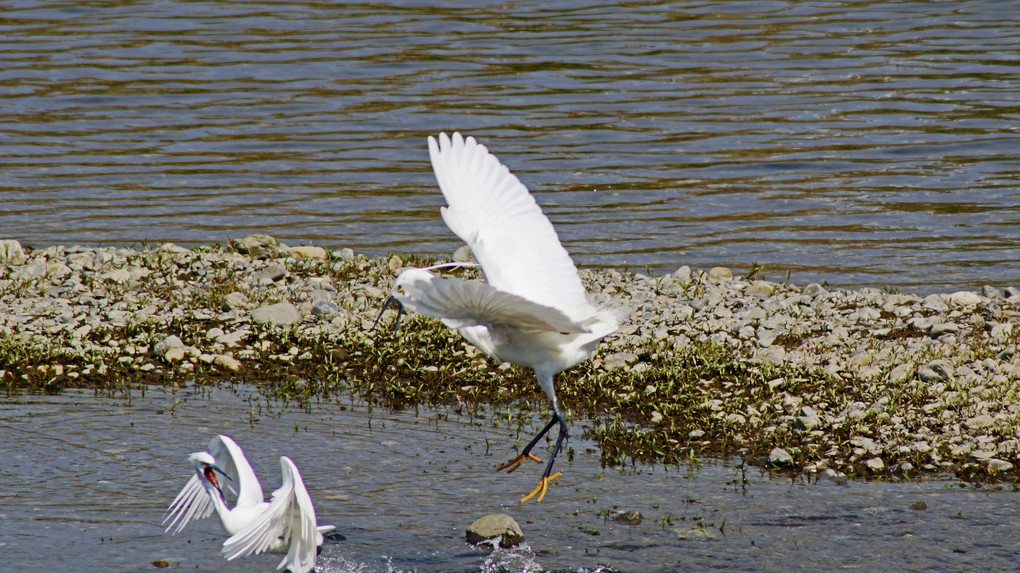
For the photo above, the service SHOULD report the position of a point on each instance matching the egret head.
(407, 276)
(206, 468)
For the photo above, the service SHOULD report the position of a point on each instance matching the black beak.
(400, 312)
(222, 473)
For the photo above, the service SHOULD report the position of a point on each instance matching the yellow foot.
(543, 486)
(516, 462)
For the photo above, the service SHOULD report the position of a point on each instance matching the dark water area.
(860, 143)
(86, 479)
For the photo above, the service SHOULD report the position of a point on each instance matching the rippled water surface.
(863, 143)
(86, 480)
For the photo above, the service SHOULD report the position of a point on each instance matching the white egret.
(532, 310)
(285, 524)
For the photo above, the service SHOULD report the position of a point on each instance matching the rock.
(760, 289)
(235, 301)
(933, 372)
(683, 274)
(174, 355)
(325, 308)
(919, 506)
(1002, 332)
(632, 517)
(814, 290)
(943, 328)
(463, 255)
(780, 457)
(1011, 292)
(655, 418)
(308, 252)
(271, 273)
(173, 249)
(619, 360)
(11, 252)
(720, 273)
(495, 525)
(991, 292)
(170, 342)
(901, 373)
(875, 465)
(279, 314)
(978, 422)
(935, 302)
(996, 465)
(258, 245)
(963, 298)
(226, 362)
(232, 338)
(830, 474)
(808, 419)
(343, 254)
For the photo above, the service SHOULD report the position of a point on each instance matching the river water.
(855, 142)
(86, 479)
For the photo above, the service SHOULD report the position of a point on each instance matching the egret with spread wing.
(285, 524)
(532, 310)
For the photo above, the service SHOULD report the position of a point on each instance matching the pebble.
(11, 252)
(226, 362)
(325, 308)
(780, 457)
(235, 301)
(996, 465)
(308, 252)
(279, 314)
(168, 343)
(270, 274)
(257, 245)
(720, 273)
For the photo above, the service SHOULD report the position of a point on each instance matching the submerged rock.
(495, 525)
(632, 517)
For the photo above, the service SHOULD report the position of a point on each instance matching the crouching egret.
(285, 524)
(532, 310)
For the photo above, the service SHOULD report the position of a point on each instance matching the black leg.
(545, 430)
(559, 444)
(526, 454)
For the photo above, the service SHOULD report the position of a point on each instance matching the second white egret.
(532, 310)
(285, 524)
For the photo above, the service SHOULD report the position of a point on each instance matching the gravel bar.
(828, 382)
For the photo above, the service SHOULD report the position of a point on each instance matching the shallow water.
(86, 480)
(860, 142)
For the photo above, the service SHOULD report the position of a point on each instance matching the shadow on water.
(862, 143)
(86, 480)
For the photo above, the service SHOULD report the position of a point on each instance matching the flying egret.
(285, 524)
(532, 310)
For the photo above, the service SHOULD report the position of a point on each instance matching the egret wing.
(464, 303)
(290, 517)
(193, 502)
(493, 212)
(243, 481)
